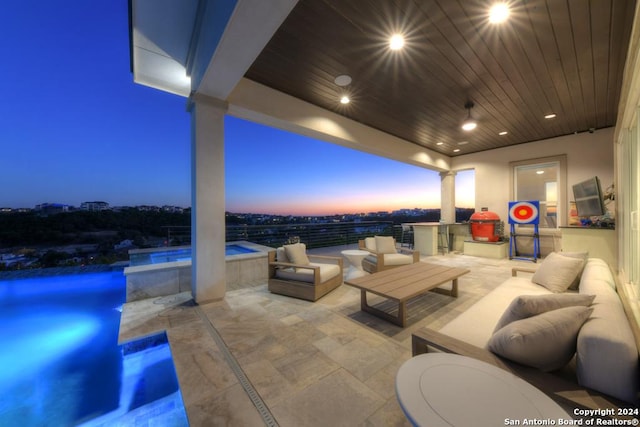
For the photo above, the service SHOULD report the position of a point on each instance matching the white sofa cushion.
(327, 271)
(397, 259)
(557, 272)
(477, 323)
(525, 306)
(607, 357)
(546, 341)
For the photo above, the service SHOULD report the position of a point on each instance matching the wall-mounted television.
(588, 197)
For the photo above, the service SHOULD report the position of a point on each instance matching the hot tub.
(167, 271)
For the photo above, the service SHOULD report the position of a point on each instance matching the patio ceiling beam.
(261, 104)
(248, 30)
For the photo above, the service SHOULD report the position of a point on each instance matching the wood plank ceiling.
(564, 57)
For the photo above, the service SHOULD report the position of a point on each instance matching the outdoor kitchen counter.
(425, 236)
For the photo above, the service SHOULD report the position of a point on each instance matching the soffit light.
(396, 42)
(498, 13)
(469, 124)
(550, 116)
(344, 99)
(504, 132)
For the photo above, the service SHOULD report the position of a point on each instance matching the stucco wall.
(588, 154)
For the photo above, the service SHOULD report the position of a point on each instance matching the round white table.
(440, 389)
(355, 257)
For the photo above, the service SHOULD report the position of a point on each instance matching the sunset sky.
(321, 177)
(74, 127)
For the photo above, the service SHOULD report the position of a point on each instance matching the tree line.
(85, 227)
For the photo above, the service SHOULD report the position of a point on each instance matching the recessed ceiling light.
(504, 132)
(343, 80)
(539, 172)
(439, 143)
(550, 116)
(456, 150)
(344, 99)
(396, 42)
(498, 13)
(463, 142)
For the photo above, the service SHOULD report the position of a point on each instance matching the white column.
(207, 198)
(448, 197)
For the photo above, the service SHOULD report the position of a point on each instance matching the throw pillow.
(297, 253)
(582, 256)
(281, 255)
(526, 306)
(386, 245)
(557, 272)
(546, 341)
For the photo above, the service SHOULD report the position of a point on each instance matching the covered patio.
(557, 82)
(258, 358)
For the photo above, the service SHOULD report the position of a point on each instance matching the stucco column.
(448, 197)
(207, 198)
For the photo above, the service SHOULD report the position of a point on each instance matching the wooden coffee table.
(403, 283)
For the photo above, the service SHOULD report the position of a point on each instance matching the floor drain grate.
(266, 415)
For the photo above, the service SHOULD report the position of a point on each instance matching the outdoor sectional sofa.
(603, 371)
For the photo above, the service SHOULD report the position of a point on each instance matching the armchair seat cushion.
(327, 271)
(397, 259)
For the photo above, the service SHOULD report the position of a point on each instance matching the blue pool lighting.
(60, 362)
(39, 340)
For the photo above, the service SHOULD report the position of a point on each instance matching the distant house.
(94, 206)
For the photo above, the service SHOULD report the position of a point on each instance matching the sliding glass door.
(628, 196)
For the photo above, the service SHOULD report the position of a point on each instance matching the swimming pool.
(180, 253)
(60, 362)
(167, 271)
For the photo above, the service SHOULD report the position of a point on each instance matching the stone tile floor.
(307, 364)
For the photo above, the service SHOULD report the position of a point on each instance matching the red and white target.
(524, 212)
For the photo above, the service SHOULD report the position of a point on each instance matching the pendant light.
(469, 124)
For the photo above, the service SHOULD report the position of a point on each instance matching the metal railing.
(313, 235)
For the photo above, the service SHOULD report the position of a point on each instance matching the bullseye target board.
(527, 212)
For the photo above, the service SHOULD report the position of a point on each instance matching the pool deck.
(309, 364)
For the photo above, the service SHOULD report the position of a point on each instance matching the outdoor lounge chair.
(385, 254)
(294, 273)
